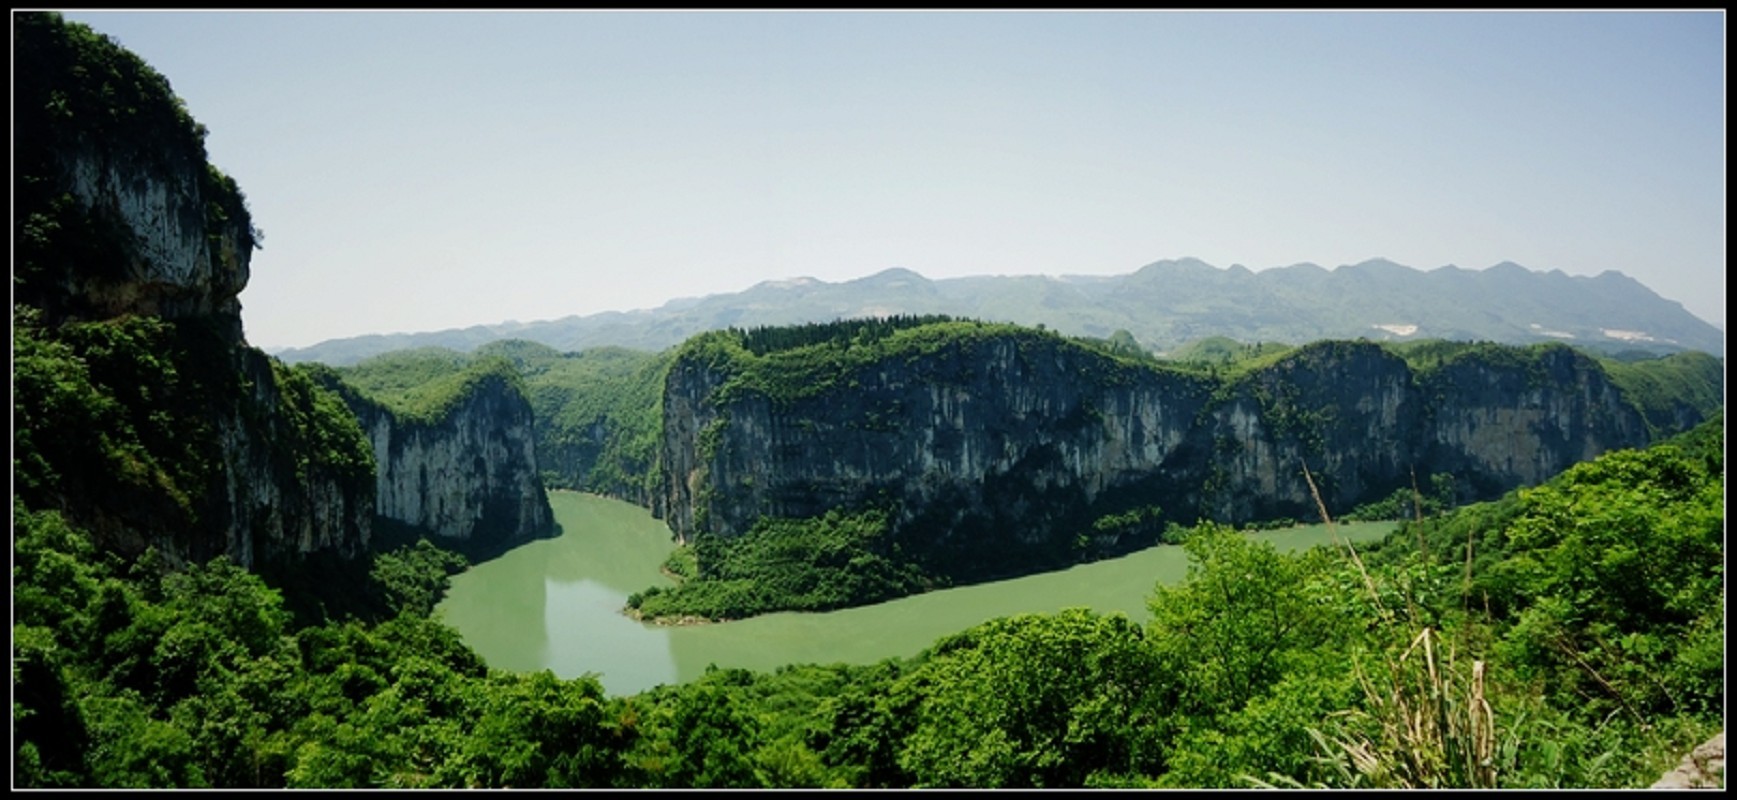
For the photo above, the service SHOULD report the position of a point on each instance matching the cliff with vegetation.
(969, 450)
(139, 410)
(1367, 422)
(1501, 645)
(597, 415)
(987, 436)
(117, 210)
(453, 447)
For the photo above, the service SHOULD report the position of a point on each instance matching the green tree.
(536, 730)
(714, 738)
(1615, 576)
(414, 578)
(1034, 701)
(1245, 616)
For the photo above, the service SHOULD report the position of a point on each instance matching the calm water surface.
(556, 604)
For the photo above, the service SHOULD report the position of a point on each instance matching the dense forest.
(197, 602)
(1505, 644)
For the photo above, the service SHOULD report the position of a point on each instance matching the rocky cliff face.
(154, 432)
(178, 262)
(468, 475)
(118, 210)
(1349, 412)
(1002, 449)
(1365, 424)
(143, 413)
(997, 439)
(1702, 768)
(1517, 424)
(285, 493)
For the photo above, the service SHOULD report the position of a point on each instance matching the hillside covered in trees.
(197, 602)
(1506, 644)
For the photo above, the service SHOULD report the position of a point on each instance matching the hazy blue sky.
(418, 171)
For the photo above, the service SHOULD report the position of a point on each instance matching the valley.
(557, 604)
(908, 550)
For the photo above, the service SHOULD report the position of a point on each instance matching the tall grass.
(1425, 721)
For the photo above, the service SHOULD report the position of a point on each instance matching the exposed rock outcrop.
(151, 432)
(118, 210)
(289, 493)
(1702, 768)
(141, 412)
(992, 441)
(995, 451)
(1362, 421)
(468, 474)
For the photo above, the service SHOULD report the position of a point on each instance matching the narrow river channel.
(556, 604)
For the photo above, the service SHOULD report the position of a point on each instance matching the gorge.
(226, 569)
(991, 450)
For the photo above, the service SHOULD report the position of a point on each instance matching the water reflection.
(498, 607)
(556, 604)
(588, 634)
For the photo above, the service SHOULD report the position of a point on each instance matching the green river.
(556, 604)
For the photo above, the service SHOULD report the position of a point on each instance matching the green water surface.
(556, 604)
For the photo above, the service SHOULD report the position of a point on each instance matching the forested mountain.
(817, 466)
(1164, 305)
(198, 601)
(453, 447)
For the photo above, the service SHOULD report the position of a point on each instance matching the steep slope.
(140, 412)
(597, 415)
(992, 449)
(454, 452)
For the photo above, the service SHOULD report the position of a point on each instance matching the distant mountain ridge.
(1163, 304)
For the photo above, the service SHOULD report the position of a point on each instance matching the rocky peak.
(141, 412)
(117, 210)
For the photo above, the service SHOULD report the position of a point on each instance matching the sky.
(419, 171)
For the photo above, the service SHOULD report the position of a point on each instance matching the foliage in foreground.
(1538, 666)
(121, 424)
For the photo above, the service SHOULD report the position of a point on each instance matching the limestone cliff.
(1516, 422)
(461, 466)
(987, 445)
(118, 211)
(1364, 422)
(996, 447)
(597, 414)
(140, 411)
(148, 431)
(1350, 412)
